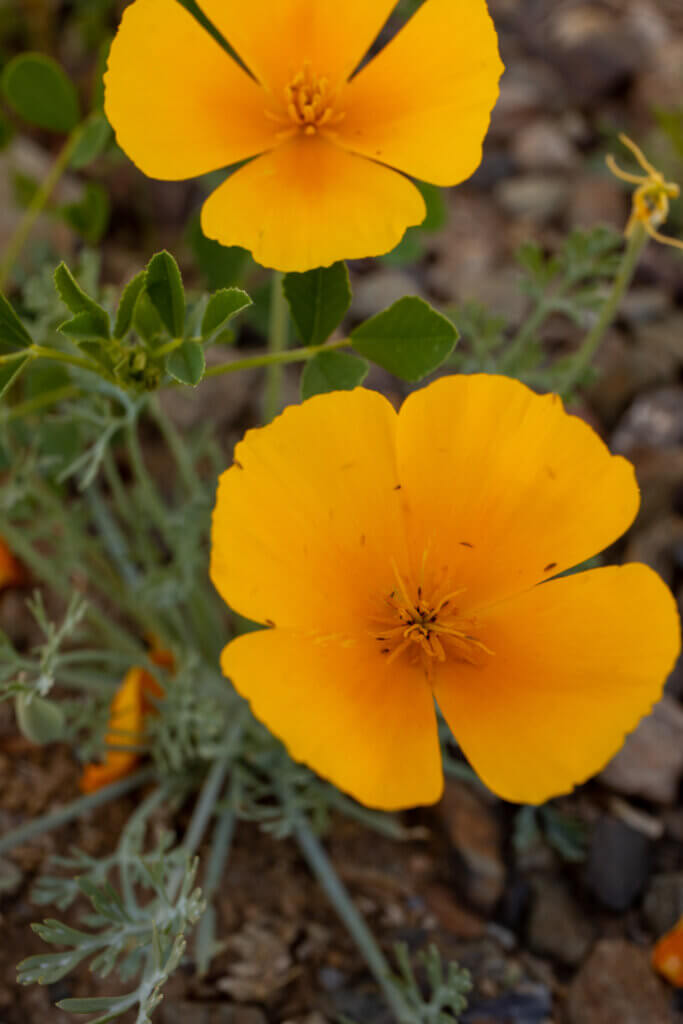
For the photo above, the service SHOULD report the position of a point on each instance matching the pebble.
(663, 903)
(618, 864)
(475, 834)
(650, 763)
(616, 985)
(536, 197)
(542, 145)
(654, 420)
(557, 927)
(597, 199)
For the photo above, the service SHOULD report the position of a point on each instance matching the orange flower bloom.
(11, 573)
(130, 705)
(322, 188)
(397, 557)
(667, 955)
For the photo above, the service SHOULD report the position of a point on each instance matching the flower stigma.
(430, 629)
(651, 198)
(309, 104)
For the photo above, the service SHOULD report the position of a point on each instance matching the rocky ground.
(555, 922)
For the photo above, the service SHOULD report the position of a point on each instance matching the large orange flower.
(323, 189)
(402, 557)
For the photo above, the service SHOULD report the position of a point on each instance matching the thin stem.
(32, 405)
(346, 909)
(584, 357)
(36, 207)
(278, 332)
(55, 354)
(293, 355)
(74, 810)
(176, 445)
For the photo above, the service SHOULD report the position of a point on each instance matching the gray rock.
(557, 927)
(542, 145)
(618, 864)
(663, 903)
(654, 420)
(616, 985)
(536, 197)
(650, 764)
(475, 835)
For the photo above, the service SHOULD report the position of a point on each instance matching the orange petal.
(11, 573)
(576, 663)
(309, 515)
(367, 726)
(275, 37)
(179, 104)
(309, 203)
(504, 486)
(423, 104)
(126, 728)
(667, 955)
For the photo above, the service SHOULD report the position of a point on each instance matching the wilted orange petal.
(126, 727)
(308, 204)
(667, 955)
(11, 572)
(575, 664)
(275, 37)
(180, 106)
(423, 104)
(366, 725)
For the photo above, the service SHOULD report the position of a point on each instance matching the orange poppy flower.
(130, 705)
(322, 188)
(11, 573)
(667, 955)
(402, 557)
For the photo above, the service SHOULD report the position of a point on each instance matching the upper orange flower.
(11, 572)
(667, 955)
(396, 559)
(323, 190)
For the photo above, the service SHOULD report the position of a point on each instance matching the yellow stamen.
(309, 104)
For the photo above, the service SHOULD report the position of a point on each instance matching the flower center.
(430, 628)
(309, 104)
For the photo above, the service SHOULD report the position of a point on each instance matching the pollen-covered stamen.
(429, 628)
(309, 104)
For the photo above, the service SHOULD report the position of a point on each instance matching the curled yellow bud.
(651, 198)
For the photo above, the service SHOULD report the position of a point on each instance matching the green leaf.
(165, 288)
(221, 265)
(13, 334)
(332, 371)
(90, 216)
(9, 373)
(129, 296)
(6, 132)
(84, 325)
(94, 136)
(40, 721)
(146, 320)
(75, 299)
(436, 207)
(37, 89)
(318, 301)
(410, 339)
(187, 363)
(222, 307)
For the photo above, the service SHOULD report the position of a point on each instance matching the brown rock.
(475, 835)
(557, 927)
(597, 199)
(536, 197)
(542, 145)
(617, 986)
(650, 763)
(663, 903)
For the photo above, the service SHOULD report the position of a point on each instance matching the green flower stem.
(584, 357)
(345, 908)
(55, 354)
(292, 355)
(176, 446)
(38, 403)
(76, 809)
(278, 333)
(36, 207)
